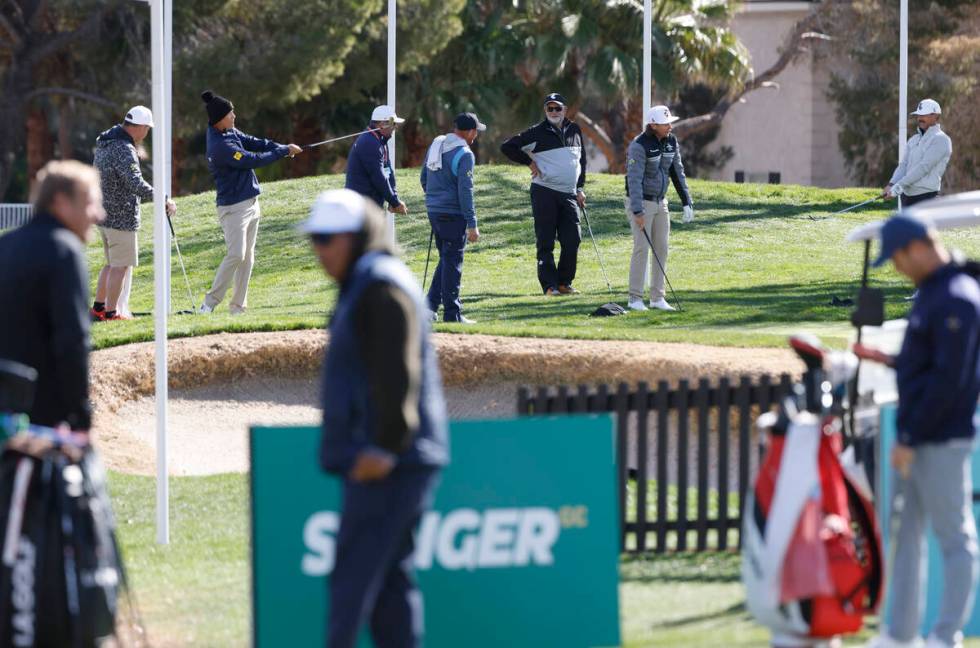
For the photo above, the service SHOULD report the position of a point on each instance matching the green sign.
(520, 548)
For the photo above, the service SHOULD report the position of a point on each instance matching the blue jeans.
(450, 237)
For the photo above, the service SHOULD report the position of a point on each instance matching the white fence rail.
(14, 215)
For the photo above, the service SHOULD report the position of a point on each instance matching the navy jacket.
(938, 368)
(350, 418)
(43, 272)
(231, 157)
(450, 189)
(369, 171)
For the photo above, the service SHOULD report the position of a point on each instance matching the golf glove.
(688, 213)
(897, 190)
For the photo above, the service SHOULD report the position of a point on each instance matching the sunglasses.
(554, 108)
(321, 239)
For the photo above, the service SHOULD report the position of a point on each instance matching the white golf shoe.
(637, 305)
(661, 304)
(205, 309)
(884, 641)
(935, 642)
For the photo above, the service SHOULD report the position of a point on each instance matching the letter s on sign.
(318, 536)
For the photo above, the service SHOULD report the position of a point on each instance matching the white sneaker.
(884, 641)
(205, 309)
(237, 311)
(637, 305)
(661, 304)
(934, 642)
(431, 314)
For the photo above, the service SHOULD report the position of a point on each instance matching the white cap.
(928, 107)
(385, 113)
(660, 115)
(335, 212)
(140, 115)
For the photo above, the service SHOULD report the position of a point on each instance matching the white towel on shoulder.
(439, 147)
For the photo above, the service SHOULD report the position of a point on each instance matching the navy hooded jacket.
(231, 157)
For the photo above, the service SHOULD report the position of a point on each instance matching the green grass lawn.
(751, 268)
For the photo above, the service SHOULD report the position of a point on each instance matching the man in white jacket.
(919, 175)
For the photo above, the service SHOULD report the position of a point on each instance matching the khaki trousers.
(240, 223)
(656, 222)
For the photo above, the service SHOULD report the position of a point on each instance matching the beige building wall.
(790, 129)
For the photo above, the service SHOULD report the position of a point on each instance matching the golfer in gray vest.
(919, 175)
(652, 157)
(384, 422)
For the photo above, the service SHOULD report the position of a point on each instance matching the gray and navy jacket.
(938, 369)
(381, 383)
(649, 161)
(558, 152)
(449, 189)
(123, 186)
(232, 156)
(369, 171)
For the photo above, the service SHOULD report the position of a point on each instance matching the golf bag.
(61, 572)
(811, 549)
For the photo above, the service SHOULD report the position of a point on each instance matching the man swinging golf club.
(651, 157)
(232, 158)
(919, 175)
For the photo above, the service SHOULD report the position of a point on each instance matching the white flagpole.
(161, 244)
(647, 54)
(903, 77)
(392, 55)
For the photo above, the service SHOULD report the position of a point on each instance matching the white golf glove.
(688, 213)
(897, 190)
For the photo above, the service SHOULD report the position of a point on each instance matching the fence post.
(523, 400)
(561, 400)
(724, 389)
(662, 404)
(743, 403)
(642, 452)
(701, 398)
(622, 419)
(683, 430)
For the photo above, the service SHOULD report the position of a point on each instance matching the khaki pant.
(240, 223)
(656, 222)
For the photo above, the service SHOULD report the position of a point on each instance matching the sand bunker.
(221, 384)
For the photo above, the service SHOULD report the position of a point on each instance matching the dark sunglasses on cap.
(321, 239)
(554, 108)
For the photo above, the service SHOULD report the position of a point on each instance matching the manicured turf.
(750, 269)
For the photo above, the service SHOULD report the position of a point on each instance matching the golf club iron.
(428, 255)
(307, 147)
(190, 293)
(662, 269)
(847, 209)
(585, 213)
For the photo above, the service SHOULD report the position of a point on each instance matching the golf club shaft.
(862, 204)
(337, 139)
(662, 269)
(428, 254)
(180, 257)
(588, 224)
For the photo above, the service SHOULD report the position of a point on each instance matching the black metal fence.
(668, 434)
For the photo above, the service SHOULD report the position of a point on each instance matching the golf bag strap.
(454, 167)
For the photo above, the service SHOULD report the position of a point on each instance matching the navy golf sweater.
(232, 156)
(938, 368)
(369, 171)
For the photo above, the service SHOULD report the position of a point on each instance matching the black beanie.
(217, 106)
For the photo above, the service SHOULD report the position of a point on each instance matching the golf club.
(190, 293)
(306, 147)
(847, 209)
(662, 269)
(428, 254)
(585, 213)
